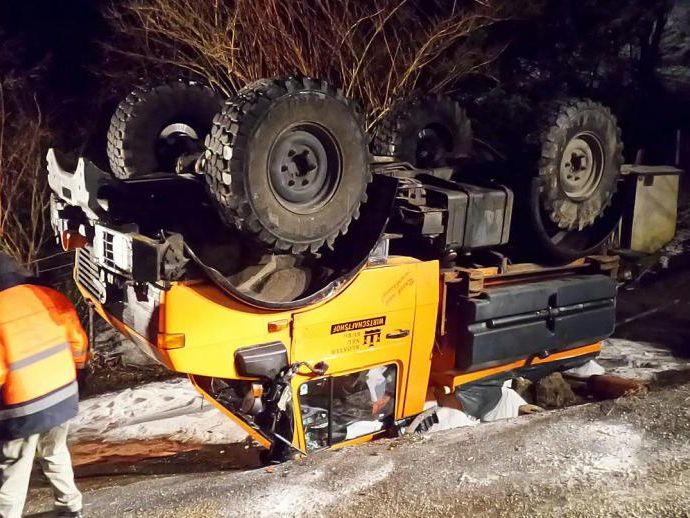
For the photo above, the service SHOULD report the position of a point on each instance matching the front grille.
(88, 275)
(137, 309)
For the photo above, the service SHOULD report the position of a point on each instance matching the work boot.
(69, 514)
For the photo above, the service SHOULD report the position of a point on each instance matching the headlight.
(54, 217)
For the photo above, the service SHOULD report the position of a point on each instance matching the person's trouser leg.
(57, 467)
(16, 461)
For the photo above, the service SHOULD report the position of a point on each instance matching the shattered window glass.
(341, 408)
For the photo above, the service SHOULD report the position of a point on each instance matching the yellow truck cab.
(365, 361)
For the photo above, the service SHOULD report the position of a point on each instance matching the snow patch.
(569, 451)
(638, 360)
(678, 244)
(591, 368)
(681, 241)
(290, 500)
(171, 409)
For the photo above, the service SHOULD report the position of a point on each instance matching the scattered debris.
(638, 360)
(608, 386)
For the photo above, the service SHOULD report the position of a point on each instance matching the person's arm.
(76, 336)
(3, 365)
(78, 341)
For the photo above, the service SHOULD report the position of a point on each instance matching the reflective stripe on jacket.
(41, 341)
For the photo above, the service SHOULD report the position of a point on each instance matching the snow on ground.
(678, 245)
(638, 360)
(681, 241)
(171, 410)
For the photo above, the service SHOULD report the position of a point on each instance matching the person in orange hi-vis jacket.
(41, 343)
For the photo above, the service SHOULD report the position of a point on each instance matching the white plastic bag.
(508, 406)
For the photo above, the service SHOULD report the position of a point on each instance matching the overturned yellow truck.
(321, 287)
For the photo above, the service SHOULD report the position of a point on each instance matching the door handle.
(400, 333)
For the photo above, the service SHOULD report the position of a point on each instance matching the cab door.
(369, 323)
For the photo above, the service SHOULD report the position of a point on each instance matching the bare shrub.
(376, 50)
(24, 198)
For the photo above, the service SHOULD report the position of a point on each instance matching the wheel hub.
(581, 166)
(174, 141)
(179, 129)
(304, 168)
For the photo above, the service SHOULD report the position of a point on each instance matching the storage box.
(475, 216)
(649, 219)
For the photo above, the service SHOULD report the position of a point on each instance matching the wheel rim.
(179, 129)
(582, 166)
(304, 168)
(174, 140)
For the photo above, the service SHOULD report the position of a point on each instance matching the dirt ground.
(629, 457)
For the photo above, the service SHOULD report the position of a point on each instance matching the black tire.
(287, 163)
(152, 127)
(424, 131)
(581, 153)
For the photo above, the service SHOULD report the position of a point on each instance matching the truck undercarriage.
(314, 325)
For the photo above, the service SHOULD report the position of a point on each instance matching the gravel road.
(629, 457)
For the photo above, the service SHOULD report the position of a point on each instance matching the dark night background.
(557, 50)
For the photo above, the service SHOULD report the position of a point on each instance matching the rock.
(529, 409)
(525, 388)
(554, 392)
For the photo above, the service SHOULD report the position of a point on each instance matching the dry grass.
(377, 50)
(24, 198)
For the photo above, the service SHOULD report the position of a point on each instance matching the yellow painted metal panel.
(215, 326)
(356, 329)
(373, 323)
(426, 314)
